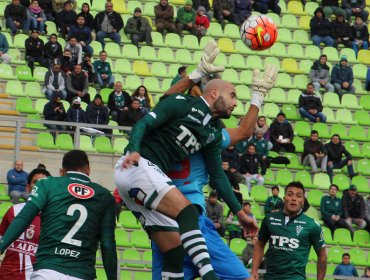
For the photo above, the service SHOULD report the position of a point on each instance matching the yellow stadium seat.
(304, 22)
(226, 45)
(364, 56)
(141, 68)
(296, 8)
(290, 66)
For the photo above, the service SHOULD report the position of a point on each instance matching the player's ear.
(87, 170)
(28, 188)
(62, 172)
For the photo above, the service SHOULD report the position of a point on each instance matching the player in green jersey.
(290, 234)
(76, 214)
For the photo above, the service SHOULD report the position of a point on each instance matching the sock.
(193, 241)
(173, 261)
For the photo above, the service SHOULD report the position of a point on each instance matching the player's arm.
(258, 251)
(321, 263)
(108, 242)
(180, 87)
(318, 242)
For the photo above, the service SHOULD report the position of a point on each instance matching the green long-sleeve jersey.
(330, 206)
(75, 215)
(178, 126)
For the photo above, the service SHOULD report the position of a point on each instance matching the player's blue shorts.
(225, 263)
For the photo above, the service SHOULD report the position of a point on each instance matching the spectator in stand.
(146, 103)
(314, 153)
(97, 113)
(331, 7)
(251, 230)
(85, 12)
(237, 193)
(118, 101)
(233, 226)
(214, 211)
(367, 218)
(82, 33)
(263, 6)
(181, 74)
(247, 253)
(206, 5)
(53, 50)
(342, 77)
(67, 63)
(4, 47)
(366, 273)
(103, 71)
(225, 10)
(107, 24)
(139, 29)
(55, 111)
(78, 85)
(335, 150)
(274, 203)
(341, 31)
(201, 22)
(354, 208)
(17, 181)
(310, 106)
(320, 28)
(75, 48)
(331, 210)
(355, 8)
(131, 116)
(320, 75)
(34, 50)
(66, 18)
(55, 82)
(16, 17)
(243, 9)
(249, 164)
(47, 6)
(261, 124)
(88, 68)
(261, 145)
(231, 155)
(186, 18)
(345, 268)
(58, 5)
(36, 17)
(281, 134)
(360, 35)
(75, 113)
(233, 179)
(164, 17)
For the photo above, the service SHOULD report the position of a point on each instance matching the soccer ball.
(258, 32)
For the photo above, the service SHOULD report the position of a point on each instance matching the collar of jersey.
(296, 216)
(205, 101)
(79, 175)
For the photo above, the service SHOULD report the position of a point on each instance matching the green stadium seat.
(305, 178)
(131, 5)
(147, 256)
(31, 125)
(204, 40)
(4, 207)
(98, 6)
(4, 194)
(147, 53)
(296, 51)
(14, 88)
(350, 53)
(310, 8)
(305, 66)
(295, 162)
(237, 246)
(157, 39)
(33, 89)
(113, 49)
(231, 122)
(340, 130)
(236, 61)
(353, 148)
(277, 95)
(359, 87)
(226, 45)
(64, 142)
(302, 128)
(130, 52)
(343, 237)
(159, 69)
(358, 257)
(122, 238)
(301, 37)
(232, 31)
(45, 141)
(312, 52)
(314, 214)
(366, 150)
(243, 92)
(364, 101)
(269, 177)
(86, 144)
(40, 104)
(300, 81)
(331, 99)
(39, 74)
(349, 101)
(296, 8)
(364, 56)
(133, 82)
(359, 71)
(24, 105)
(123, 66)
(362, 117)
(272, 60)
(363, 166)
(190, 42)
(275, 18)
(361, 183)
(215, 30)
(19, 41)
(283, 177)
(311, 269)
(140, 239)
(231, 76)
(277, 50)
(361, 238)
(131, 258)
(152, 84)
(290, 65)
(239, 110)
(259, 193)
(322, 129)
(23, 73)
(127, 219)
(344, 116)
(283, 80)
(183, 56)
(291, 112)
(142, 275)
(128, 274)
(252, 62)
(257, 210)
(166, 84)
(16, 56)
(357, 133)
(270, 110)
(246, 77)
(6, 72)
(321, 180)
(298, 143)
(328, 236)
(172, 40)
(331, 53)
(341, 180)
(289, 21)
(284, 35)
(328, 112)
(103, 145)
(314, 197)
(166, 55)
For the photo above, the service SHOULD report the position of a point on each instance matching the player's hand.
(261, 84)
(254, 276)
(206, 66)
(130, 159)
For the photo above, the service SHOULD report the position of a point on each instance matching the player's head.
(221, 97)
(346, 258)
(293, 198)
(35, 176)
(75, 160)
(275, 190)
(333, 189)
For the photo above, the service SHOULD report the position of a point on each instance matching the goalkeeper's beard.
(221, 109)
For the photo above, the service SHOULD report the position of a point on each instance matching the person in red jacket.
(201, 22)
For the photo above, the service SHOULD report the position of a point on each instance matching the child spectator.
(345, 268)
(250, 230)
(36, 17)
(274, 203)
(201, 22)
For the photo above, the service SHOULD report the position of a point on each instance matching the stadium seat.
(19, 41)
(305, 178)
(289, 21)
(127, 274)
(301, 37)
(340, 130)
(259, 193)
(322, 129)
(312, 52)
(45, 141)
(284, 36)
(226, 45)
(237, 246)
(272, 60)
(98, 5)
(166, 84)
(14, 88)
(183, 56)
(290, 65)
(142, 275)
(364, 101)
(314, 214)
(205, 39)
(256, 210)
(231, 122)
(232, 31)
(311, 269)
(113, 49)
(296, 51)
(301, 81)
(353, 148)
(295, 162)
(344, 116)
(358, 257)
(269, 177)
(305, 66)
(152, 84)
(32, 89)
(291, 112)
(349, 101)
(275, 18)
(236, 61)
(328, 236)
(166, 55)
(4, 194)
(39, 74)
(4, 207)
(298, 143)
(120, 144)
(131, 258)
(359, 71)
(284, 81)
(231, 76)
(310, 8)
(23, 73)
(157, 39)
(283, 177)
(364, 56)
(32, 125)
(361, 238)
(341, 180)
(270, 110)
(127, 219)
(314, 197)
(16, 56)
(321, 180)
(243, 92)
(302, 128)
(253, 62)
(304, 23)
(131, 5)
(350, 53)
(343, 237)
(141, 68)
(239, 110)
(363, 166)
(147, 256)
(140, 239)
(328, 112)
(359, 87)
(331, 53)
(366, 150)
(24, 105)
(277, 95)
(277, 50)
(296, 8)
(122, 238)
(362, 117)
(130, 52)
(123, 66)
(133, 82)
(172, 40)
(159, 69)
(190, 42)
(40, 104)
(361, 183)
(215, 30)
(86, 144)
(331, 99)
(64, 142)
(103, 145)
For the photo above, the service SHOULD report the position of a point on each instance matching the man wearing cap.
(281, 134)
(164, 14)
(54, 82)
(354, 208)
(34, 50)
(75, 113)
(139, 29)
(78, 85)
(186, 18)
(107, 24)
(342, 77)
(331, 210)
(341, 31)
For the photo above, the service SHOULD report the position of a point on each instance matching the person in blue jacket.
(345, 268)
(17, 182)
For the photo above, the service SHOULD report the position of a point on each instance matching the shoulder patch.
(80, 191)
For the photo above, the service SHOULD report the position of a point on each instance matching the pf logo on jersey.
(80, 191)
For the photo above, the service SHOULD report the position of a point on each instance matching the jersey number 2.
(81, 220)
